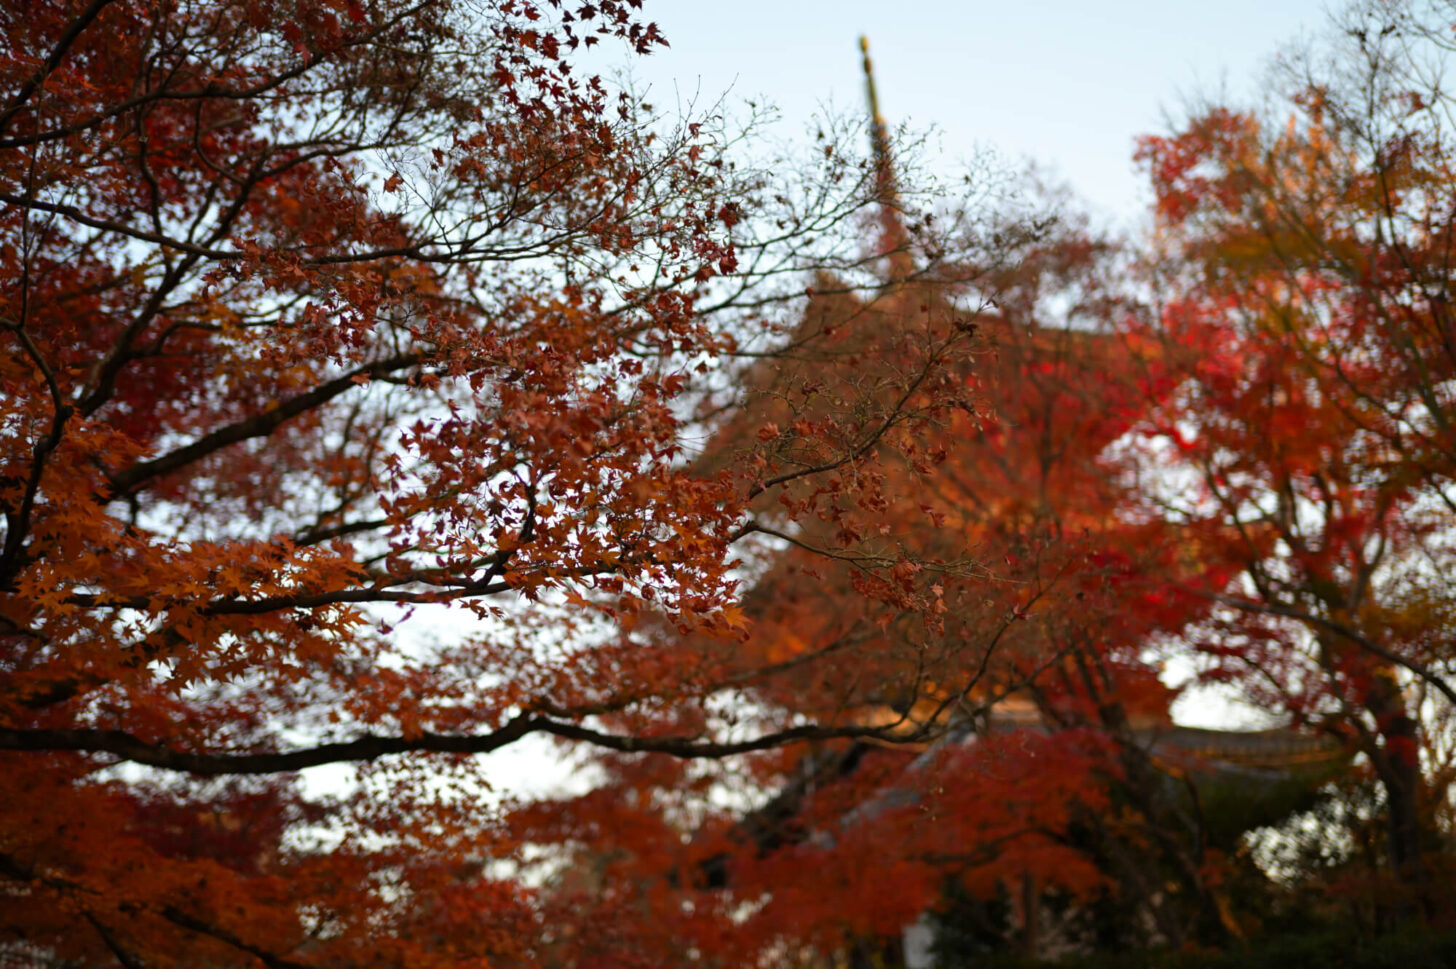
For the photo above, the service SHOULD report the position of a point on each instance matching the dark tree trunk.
(1394, 752)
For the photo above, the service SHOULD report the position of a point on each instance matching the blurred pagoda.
(1019, 470)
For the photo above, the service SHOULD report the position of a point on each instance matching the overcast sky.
(1067, 83)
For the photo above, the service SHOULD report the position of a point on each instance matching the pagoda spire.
(894, 242)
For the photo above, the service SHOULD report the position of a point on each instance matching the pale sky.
(1066, 84)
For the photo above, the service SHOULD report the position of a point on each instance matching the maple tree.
(1046, 783)
(1305, 269)
(326, 323)
(1250, 471)
(1274, 504)
(321, 316)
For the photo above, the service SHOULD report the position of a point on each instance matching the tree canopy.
(381, 388)
(320, 316)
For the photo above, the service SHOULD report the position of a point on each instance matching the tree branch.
(1340, 629)
(178, 917)
(58, 53)
(371, 747)
(259, 425)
